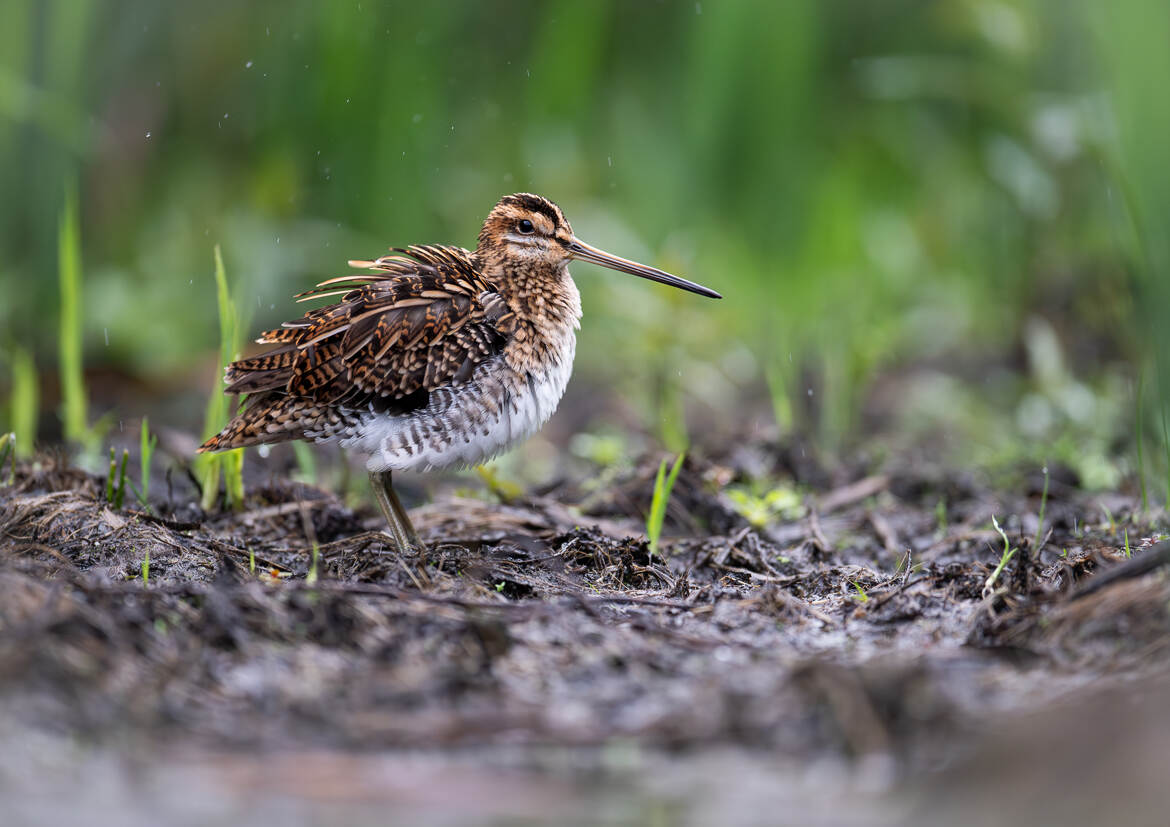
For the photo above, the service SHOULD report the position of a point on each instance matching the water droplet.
(347, 100)
(416, 119)
(278, 241)
(248, 65)
(610, 159)
(148, 134)
(810, 392)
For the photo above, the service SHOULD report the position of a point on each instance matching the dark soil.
(860, 636)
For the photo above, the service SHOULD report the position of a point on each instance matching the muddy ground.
(845, 661)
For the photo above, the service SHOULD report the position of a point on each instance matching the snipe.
(434, 357)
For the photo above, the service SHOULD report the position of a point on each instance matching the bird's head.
(528, 232)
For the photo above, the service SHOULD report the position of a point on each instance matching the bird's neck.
(546, 308)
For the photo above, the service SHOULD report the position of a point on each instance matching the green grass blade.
(663, 485)
(1141, 453)
(110, 477)
(8, 448)
(120, 494)
(778, 387)
(146, 446)
(229, 326)
(233, 477)
(229, 463)
(1043, 506)
(74, 402)
(311, 577)
(1166, 448)
(25, 401)
(1004, 558)
(307, 463)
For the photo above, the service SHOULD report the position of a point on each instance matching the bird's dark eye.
(525, 226)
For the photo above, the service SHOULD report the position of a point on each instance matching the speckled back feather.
(418, 320)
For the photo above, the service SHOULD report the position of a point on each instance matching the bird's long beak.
(586, 252)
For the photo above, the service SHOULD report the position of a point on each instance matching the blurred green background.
(939, 221)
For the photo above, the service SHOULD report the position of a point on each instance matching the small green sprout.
(1008, 553)
(940, 516)
(1043, 505)
(1109, 517)
(116, 479)
(146, 568)
(311, 577)
(504, 490)
(606, 450)
(251, 561)
(1128, 553)
(663, 485)
(500, 586)
(147, 444)
(861, 595)
(778, 503)
(8, 449)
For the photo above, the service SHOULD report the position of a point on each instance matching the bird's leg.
(401, 529)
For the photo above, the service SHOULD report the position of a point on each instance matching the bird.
(433, 356)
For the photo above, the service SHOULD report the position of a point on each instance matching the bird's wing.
(417, 320)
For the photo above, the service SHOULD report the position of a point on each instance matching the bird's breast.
(466, 424)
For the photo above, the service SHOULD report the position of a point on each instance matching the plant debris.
(857, 630)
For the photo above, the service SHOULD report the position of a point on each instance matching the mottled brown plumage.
(417, 321)
(434, 355)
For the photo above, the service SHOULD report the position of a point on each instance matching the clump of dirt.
(866, 622)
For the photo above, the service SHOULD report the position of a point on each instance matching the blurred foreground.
(868, 653)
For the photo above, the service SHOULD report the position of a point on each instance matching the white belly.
(466, 425)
